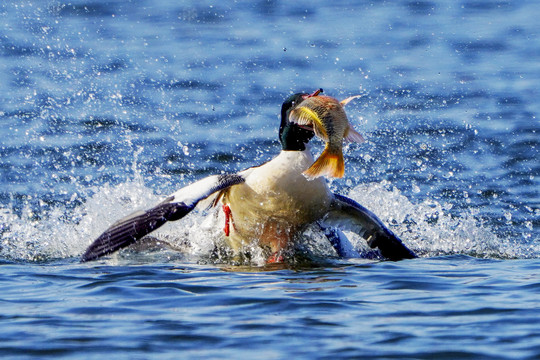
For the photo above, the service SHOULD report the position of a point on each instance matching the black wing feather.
(348, 213)
(132, 228)
(126, 232)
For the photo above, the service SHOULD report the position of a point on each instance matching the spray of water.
(63, 232)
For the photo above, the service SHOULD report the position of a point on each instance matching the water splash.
(64, 232)
(432, 230)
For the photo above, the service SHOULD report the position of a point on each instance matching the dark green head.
(292, 136)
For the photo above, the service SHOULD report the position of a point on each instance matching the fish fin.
(347, 100)
(352, 135)
(305, 116)
(330, 163)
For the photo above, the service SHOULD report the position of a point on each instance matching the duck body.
(276, 202)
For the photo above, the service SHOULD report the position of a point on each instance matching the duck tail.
(330, 163)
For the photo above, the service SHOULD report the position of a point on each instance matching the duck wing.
(347, 214)
(339, 241)
(133, 227)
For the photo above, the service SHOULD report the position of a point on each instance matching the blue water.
(106, 106)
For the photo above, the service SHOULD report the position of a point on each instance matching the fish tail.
(330, 163)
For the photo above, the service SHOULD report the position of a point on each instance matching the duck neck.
(294, 139)
(291, 136)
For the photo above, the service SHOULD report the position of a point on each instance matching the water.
(107, 106)
(445, 308)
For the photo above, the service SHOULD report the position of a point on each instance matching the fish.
(326, 116)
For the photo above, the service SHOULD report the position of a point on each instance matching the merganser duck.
(269, 205)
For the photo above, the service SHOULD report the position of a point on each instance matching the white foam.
(430, 229)
(63, 232)
(427, 227)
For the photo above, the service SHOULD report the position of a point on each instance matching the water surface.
(106, 106)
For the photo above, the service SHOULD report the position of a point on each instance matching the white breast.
(282, 177)
(277, 195)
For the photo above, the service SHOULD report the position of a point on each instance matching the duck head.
(291, 135)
